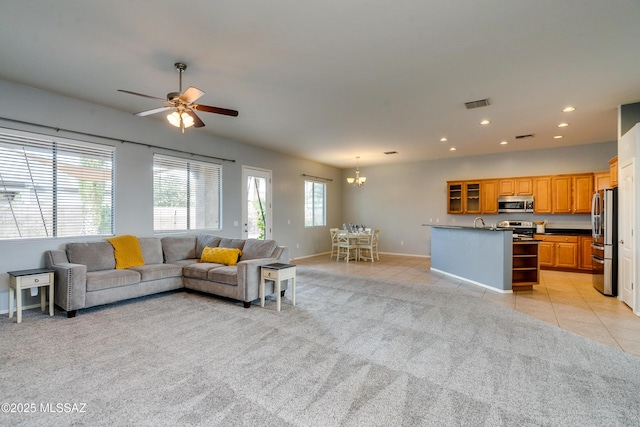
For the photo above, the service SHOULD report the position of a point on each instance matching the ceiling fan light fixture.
(174, 119)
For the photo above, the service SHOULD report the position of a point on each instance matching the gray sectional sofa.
(86, 275)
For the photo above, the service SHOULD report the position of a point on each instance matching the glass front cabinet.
(464, 197)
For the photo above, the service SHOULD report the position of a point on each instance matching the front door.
(626, 221)
(256, 208)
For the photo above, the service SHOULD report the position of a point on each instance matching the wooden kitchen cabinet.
(464, 197)
(516, 187)
(561, 201)
(554, 194)
(558, 251)
(585, 253)
(582, 190)
(454, 191)
(613, 172)
(542, 194)
(489, 196)
(526, 266)
(601, 180)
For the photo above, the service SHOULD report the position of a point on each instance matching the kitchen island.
(482, 256)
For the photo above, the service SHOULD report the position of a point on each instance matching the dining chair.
(374, 244)
(365, 247)
(347, 248)
(334, 242)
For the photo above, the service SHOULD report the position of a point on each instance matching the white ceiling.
(330, 80)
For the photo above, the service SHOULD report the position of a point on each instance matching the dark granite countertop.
(568, 231)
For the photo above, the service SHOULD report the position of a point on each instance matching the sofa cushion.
(95, 255)
(199, 270)
(205, 240)
(105, 279)
(176, 248)
(231, 243)
(255, 248)
(226, 256)
(158, 271)
(151, 250)
(227, 275)
(126, 250)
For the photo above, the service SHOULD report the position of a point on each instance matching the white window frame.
(310, 204)
(54, 187)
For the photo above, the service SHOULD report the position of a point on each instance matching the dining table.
(354, 238)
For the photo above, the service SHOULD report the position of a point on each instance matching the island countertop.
(469, 227)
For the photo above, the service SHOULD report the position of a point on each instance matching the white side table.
(278, 272)
(27, 279)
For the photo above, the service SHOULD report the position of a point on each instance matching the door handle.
(621, 241)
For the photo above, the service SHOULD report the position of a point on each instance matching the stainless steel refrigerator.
(604, 249)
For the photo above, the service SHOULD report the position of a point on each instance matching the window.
(315, 194)
(54, 187)
(186, 194)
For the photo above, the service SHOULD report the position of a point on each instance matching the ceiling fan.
(183, 105)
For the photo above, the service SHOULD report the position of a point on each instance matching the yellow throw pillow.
(226, 256)
(127, 251)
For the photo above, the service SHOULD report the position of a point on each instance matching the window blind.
(187, 194)
(54, 187)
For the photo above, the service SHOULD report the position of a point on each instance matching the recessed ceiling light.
(563, 125)
(504, 143)
(485, 122)
(558, 137)
(443, 139)
(568, 109)
(452, 149)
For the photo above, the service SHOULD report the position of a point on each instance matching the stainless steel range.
(522, 230)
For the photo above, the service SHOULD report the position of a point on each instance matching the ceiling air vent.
(529, 135)
(390, 152)
(477, 104)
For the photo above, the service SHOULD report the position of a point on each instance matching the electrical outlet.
(437, 220)
(402, 243)
(297, 245)
(430, 219)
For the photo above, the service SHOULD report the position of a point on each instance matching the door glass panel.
(256, 207)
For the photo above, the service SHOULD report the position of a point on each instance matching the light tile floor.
(567, 300)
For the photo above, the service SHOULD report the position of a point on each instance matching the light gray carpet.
(353, 352)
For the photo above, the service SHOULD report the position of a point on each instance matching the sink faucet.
(476, 220)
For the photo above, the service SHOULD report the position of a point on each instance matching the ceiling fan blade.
(154, 111)
(141, 94)
(217, 110)
(191, 94)
(197, 123)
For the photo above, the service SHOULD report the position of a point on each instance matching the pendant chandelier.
(358, 181)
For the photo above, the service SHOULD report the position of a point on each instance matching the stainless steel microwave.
(507, 204)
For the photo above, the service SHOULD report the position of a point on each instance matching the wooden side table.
(278, 272)
(27, 279)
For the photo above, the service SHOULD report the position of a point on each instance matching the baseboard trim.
(491, 288)
(381, 253)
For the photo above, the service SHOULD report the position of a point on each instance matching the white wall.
(398, 198)
(133, 189)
